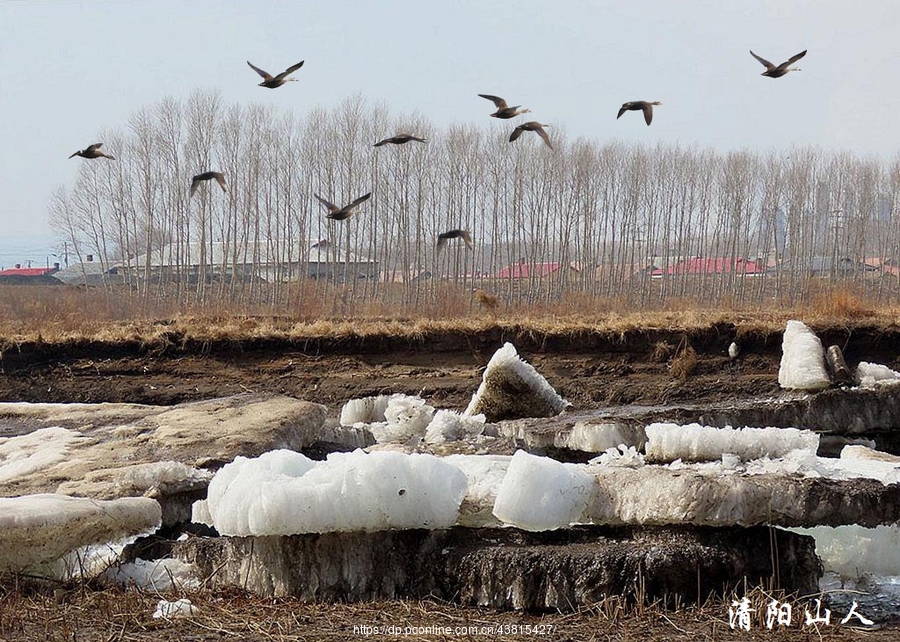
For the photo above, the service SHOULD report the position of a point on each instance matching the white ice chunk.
(539, 493)
(693, 442)
(405, 417)
(35, 451)
(200, 513)
(600, 437)
(162, 475)
(871, 375)
(852, 550)
(802, 359)
(484, 475)
(38, 529)
(448, 425)
(511, 387)
(178, 608)
(159, 575)
(87, 562)
(622, 456)
(366, 410)
(347, 492)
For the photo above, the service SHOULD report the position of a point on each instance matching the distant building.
(29, 276)
(824, 266)
(90, 273)
(267, 261)
(525, 270)
(722, 265)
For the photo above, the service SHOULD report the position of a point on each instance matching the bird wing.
(648, 112)
(289, 70)
(96, 146)
(441, 243)
(622, 110)
(383, 142)
(516, 133)
(265, 74)
(194, 183)
(467, 238)
(791, 61)
(498, 102)
(220, 179)
(365, 197)
(331, 206)
(540, 131)
(766, 63)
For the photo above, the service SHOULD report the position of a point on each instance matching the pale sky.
(72, 68)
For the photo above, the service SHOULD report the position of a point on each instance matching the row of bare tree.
(606, 213)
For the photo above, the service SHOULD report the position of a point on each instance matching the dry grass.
(840, 303)
(684, 363)
(59, 314)
(30, 612)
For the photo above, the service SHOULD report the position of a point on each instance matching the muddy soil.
(590, 370)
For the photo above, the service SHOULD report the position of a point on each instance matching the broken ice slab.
(668, 442)
(113, 450)
(706, 495)
(802, 360)
(283, 492)
(838, 415)
(39, 529)
(512, 388)
(508, 568)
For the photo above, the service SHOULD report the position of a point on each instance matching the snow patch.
(158, 575)
(35, 451)
(178, 608)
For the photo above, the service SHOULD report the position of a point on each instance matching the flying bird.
(635, 105)
(340, 213)
(531, 126)
(92, 151)
(205, 176)
(399, 139)
(777, 72)
(273, 82)
(504, 110)
(454, 234)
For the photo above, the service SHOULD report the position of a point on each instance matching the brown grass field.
(53, 314)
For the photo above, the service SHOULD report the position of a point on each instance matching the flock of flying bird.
(504, 111)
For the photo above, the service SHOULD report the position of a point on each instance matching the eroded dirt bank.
(590, 369)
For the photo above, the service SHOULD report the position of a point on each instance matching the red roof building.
(33, 271)
(698, 265)
(522, 270)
